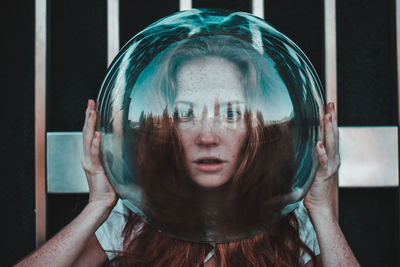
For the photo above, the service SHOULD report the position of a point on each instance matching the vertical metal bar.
(185, 4)
(330, 63)
(257, 8)
(330, 51)
(397, 15)
(397, 3)
(40, 120)
(112, 30)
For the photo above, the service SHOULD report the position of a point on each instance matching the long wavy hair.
(171, 197)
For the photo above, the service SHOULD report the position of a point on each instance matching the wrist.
(322, 213)
(107, 200)
(99, 210)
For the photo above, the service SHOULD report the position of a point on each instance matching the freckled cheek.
(236, 143)
(186, 143)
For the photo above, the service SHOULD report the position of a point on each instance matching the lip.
(209, 167)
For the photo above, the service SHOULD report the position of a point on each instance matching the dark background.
(77, 45)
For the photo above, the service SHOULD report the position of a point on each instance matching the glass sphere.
(209, 121)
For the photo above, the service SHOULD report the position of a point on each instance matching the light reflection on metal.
(257, 8)
(397, 14)
(398, 58)
(112, 30)
(369, 157)
(330, 63)
(185, 4)
(330, 51)
(64, 170)
(40, 120)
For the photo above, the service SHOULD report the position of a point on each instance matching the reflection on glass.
(209, 121)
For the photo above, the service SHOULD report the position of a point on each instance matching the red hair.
(279, 246)
(168, 192)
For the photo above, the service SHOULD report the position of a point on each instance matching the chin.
(211, 181)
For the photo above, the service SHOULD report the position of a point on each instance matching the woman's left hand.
(321, 196)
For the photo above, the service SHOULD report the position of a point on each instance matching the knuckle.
(337, 161)
(324, 161)
(95, 143)
(94, 156)
(85, 164)
(333, 169)
(86, 139)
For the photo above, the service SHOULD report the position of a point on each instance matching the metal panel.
(64, 169)
(397, 15)
(398, 58)
(330, 51)
(257, 8)
(112, 30)
(369, 157)
(40, 120)
(330, 63)
(185, 4)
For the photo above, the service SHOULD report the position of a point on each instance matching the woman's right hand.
(100, 189)
(76, 244)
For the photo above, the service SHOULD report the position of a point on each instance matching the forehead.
(208, 79)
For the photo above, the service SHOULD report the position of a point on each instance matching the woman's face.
(210, 106)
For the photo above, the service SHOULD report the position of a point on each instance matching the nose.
(207, 135)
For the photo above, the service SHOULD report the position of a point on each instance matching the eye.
(184, 113)
(233, 115)
(187, 114)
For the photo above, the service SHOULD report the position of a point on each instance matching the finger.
(95, 149)
(332, 111)
(335, 130)
(87, 109)
(330, 108)
(88, 133)
(330, 140)
(90, 106)
(86, 117)
(84, 129)
(322, 156)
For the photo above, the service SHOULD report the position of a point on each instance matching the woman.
(210, 82)
(212, 156)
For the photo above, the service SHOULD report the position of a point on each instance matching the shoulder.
(306, 231)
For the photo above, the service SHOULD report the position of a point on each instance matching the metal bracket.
(369, 158)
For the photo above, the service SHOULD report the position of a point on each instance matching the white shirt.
(110, 237)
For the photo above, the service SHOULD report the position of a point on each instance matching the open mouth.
(209, 164)
(209, 161)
